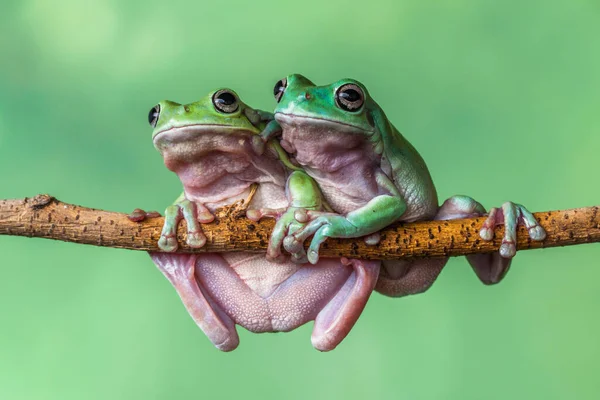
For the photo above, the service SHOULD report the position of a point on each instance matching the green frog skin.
(209, 145)
(372, 176)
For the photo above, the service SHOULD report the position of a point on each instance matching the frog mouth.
(296, 119)
(178, 134)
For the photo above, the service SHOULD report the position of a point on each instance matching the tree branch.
(45, 217)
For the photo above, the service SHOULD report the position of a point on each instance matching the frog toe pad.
(508, 249)
(196, 239)
(537, 233)
(168, 243)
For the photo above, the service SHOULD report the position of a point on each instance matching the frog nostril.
(153, 115)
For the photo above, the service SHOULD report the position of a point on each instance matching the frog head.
(327, 120)
(346, 102)
(184, 133)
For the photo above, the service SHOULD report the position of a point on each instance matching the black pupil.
(226, 98)
(278, 88)
(153, 115)
(350, 95)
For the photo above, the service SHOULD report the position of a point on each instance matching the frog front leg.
(378, 213)
(492, 267)
(405, 276)
(304, 197)
(193, 213)
(271, 129)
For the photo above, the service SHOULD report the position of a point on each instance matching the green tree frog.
(372, 176)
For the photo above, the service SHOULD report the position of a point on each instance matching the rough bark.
(45, 217)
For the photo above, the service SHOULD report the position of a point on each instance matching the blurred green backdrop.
(501, 98)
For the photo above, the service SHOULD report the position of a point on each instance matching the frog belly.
(220, 291)
(267, 297)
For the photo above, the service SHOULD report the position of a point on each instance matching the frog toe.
(205, 217)
(537, 233)
(137, 215)
(168, 243)
(292, 245)
(299, 258)
(313, 256)
(260, 213)
(508, 249)
(301, 215)
(486, 234)
(258, 145)
(487, 230)
(511, 215)
(372, 239)
(254, 215)
(196, 239)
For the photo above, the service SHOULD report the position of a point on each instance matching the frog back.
(404, 165)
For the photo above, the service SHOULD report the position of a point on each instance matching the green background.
(501, 99)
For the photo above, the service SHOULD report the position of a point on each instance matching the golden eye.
(225, 101)
(279, 89)
(349, 97)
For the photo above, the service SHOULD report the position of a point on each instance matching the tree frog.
(209, 145)
(372, 176)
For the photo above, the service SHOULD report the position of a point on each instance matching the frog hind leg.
(179, 269)
(405, 277)
(337, 318)
(491, 268)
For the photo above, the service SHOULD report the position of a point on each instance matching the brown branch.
(44, 216)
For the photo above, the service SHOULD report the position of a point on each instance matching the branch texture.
(45, 217)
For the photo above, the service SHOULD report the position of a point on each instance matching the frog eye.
(279, 89)
(225, 101)
(153, 115)
(349, 97)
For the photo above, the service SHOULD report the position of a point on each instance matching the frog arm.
(256, 117)
(303, 195)
(265, 121)
(283, 156)
(378, 213)
(404, 165)
(271, 130)
(265, 115)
